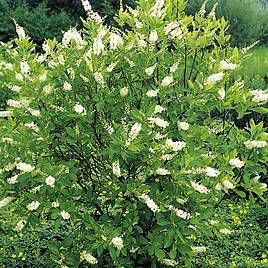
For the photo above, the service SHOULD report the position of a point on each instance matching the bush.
(130, 138)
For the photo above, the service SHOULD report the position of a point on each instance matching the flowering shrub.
(128, 137)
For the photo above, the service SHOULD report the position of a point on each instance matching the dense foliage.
(129, 139)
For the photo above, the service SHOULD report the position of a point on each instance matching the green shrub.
(130, 138)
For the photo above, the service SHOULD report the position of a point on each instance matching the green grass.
(256, 64)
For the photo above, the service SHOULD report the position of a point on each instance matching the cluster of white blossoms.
(175, 145)
(32, 126)
(169, 262)
(224, 65)
(5, 201)
(33, 206)
(152, 93)
(158, 121)
(118, 242)
(199, 249)
(24, 67)
(6, 113)
(72, 34)
(225, 231)
(133, 133)
(250, 144)
(80, 109)
(55, 204)
(167, 81)
(214, 78)
(180, 213)
(158, 9)
(162, 172)
(67, 86)
(65, 215)
(116, 168)
(123, 91)
(115, 41)
(235, 162)
(34, 112)
(173, 30)
(93, 16)
(212, 172)
(24, 167)
(228, 185)
(150, 203)
(98, 46)
(50, 181)
(153, 37)
(183, 126)
(20, 225)
(19, 30)
(150, 70)
(259, 95)
(13, 179)
(200, 188)
(159, 109)
(14, 103)
(88, 257)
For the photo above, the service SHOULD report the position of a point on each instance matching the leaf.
(240, 193)
(159, 253)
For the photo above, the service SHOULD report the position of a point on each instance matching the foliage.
(247, 19)
(130, 138)
(239, 236)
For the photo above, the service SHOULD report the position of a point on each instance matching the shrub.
(129, 138)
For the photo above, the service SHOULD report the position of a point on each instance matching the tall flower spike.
(19, 30)
(94, 16)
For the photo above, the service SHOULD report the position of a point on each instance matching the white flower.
(123, 91)
(134, 132)
(228, 184)
(115, 41)
(116, 168)
(24, 67)
(142, 43)
(199, 249)
(255, 144)
(50, 181)
(169, 262)
(25, 167)
(213, 222)
(150, 70)
(158, 121)
(159, 109)
(55, 204)
(236, 163)
(36, 189)
(34, 112)
(33, 205)
(157, 9)
(93, 16)
(150, 203)
(14, 103)
(221, 93)
(46, 47)
(65, 215)
(180, 213)
(19, 76)
(20, 31)
(225, 231)
(20, 225)
(167, 81)
(175, 145)
(183, 126)
(162, 172)
(32, 126)
(13, 179)
(99, 78)
(200, 188)
(118, 242)
(5, 113)
(153, 37)
(227, 66)
(152, 93)
(80, 109)
(72, 34)
(174, 67)
(88, 257)
(214, 78)
(67, 86)
(98, 46)
(212, 172)
(15, 89)
(259, 95)
(111, 66)
(5, 201)
(218, 187)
